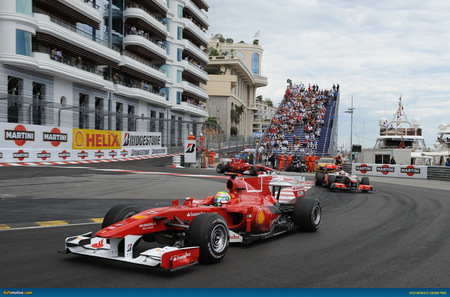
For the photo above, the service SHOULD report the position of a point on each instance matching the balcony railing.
(81, 32)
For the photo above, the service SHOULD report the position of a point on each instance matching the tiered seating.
(302, 107)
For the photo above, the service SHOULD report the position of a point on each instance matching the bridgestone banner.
(35, 143)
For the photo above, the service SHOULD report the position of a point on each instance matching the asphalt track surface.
(395, 237)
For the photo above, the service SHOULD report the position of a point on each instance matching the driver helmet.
(342, 172)
(221, 196)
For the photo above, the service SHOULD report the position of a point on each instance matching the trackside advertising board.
(35, 143)
(388, 170)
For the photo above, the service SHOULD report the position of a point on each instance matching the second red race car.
(238, 165)
(201, 230)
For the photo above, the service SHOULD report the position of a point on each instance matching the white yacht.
(399, 138)
(441, 149)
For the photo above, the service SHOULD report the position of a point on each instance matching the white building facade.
(105, 64)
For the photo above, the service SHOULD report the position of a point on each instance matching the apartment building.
(234, 75)
(125, 65)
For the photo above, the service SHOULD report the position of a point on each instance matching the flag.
(257, 34)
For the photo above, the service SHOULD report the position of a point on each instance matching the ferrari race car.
(237, 165)
(201, 230)
(342, 180)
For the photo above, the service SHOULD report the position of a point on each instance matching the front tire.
(307, 214)
(209, 231)
(331, 181)
(319, 178)
(119, 213)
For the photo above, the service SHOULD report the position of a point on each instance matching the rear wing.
(296, 183)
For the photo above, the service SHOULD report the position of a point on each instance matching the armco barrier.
(439, 172)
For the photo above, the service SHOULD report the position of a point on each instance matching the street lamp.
(350, 111)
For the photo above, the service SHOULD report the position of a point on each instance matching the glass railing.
(155, 16)
(143, 61)
(81, 32)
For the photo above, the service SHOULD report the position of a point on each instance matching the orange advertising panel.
(96, 139)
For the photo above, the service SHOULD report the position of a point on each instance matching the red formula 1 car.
(343, 180)
(201, 230)
(237, 165)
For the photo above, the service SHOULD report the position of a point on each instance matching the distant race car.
(342, 180)
(201, 230)
(237, 165)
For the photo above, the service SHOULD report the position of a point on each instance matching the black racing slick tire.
(209, 231)
(319, 178)
(307, 214)
(365, 180)
(331, 181)
(119, 213)
(220, 168)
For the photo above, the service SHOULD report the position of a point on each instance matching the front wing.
(168, 258)
(360, 187)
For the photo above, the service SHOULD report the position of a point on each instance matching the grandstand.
(305, 122)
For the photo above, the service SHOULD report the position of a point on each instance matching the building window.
(23, 43)
(180, 11)
(99, 118)
(131, 119)
(255, 63)
(179, 33)
(15, 92)
(179, 94)
(179, 76)
(119, 116)
(83, 114)
(173, 127)
(38, 103)
(179, 54)
(24, 6)
(152, 121)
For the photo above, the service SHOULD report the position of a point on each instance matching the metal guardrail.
(439, 173)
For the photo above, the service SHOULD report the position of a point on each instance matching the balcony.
(59, 32)
(135, 11)
(86, 8)
(136, 92)
(198, 13)
(198, 33)
(195, 90)
(142, 66)
(144, 41)
(197, 72)
(84, 74)
(196, 51)
(185, 107)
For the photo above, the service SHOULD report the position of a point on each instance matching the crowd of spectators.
(193, 101)
(194, 62)
(301, 107)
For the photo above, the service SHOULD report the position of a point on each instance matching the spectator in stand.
(448, 162)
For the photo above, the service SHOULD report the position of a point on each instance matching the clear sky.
(376, 51)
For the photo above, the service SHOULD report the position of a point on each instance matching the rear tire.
(119, 213)
(209, 231)
(220, 168)
(307, 214)
(253, 171)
